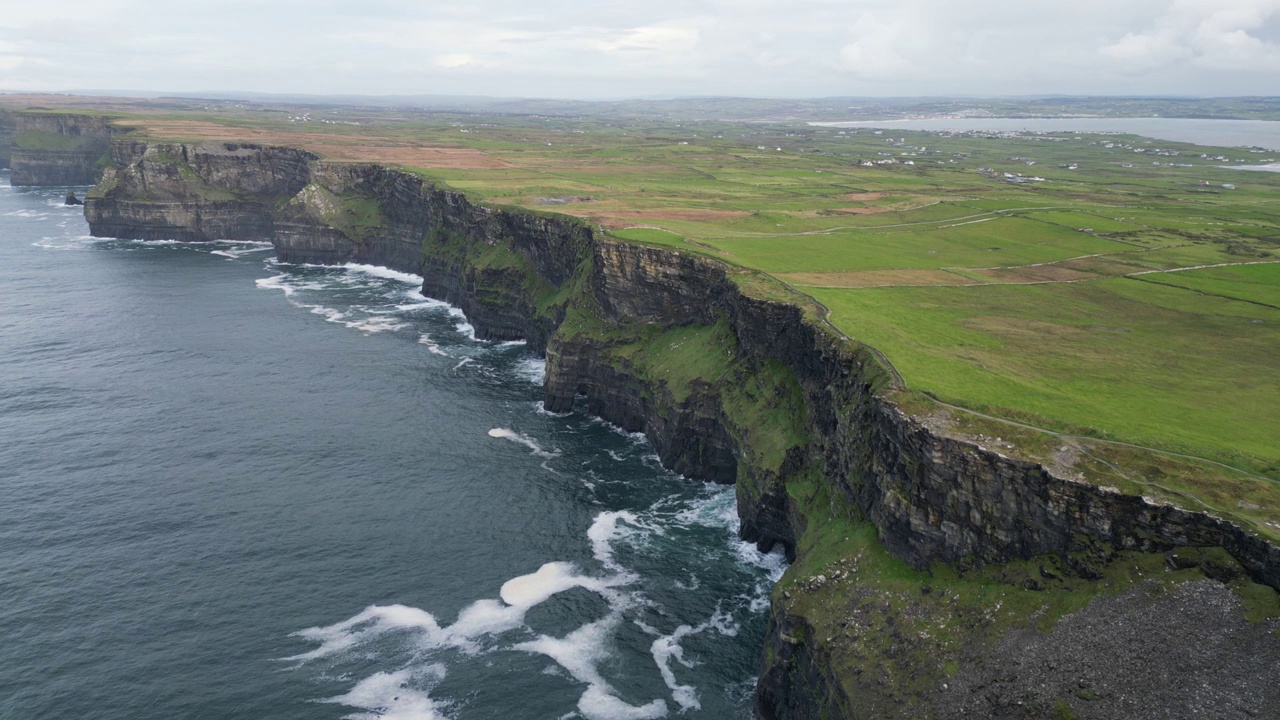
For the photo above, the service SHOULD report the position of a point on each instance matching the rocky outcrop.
(728, 385)
(6, 137)
(58, 148)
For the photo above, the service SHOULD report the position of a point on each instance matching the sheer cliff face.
(6, 137)
(57, 149)
(763, 394)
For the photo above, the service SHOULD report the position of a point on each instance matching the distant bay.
(1217, 133)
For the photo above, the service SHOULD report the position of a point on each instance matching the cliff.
(6, 137)
(58, 148)
(919, 554)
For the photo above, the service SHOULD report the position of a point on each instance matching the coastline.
(599, 310)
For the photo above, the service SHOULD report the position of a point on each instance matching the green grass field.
(1125, 293)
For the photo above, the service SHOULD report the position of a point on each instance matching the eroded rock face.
(6, 137)
(520, 275)
(57, 149)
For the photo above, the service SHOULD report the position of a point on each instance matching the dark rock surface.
(6, 137)
(1145, 655)
(50, 149)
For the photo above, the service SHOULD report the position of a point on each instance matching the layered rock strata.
(729, 384)
(58, 148)
(6, 137)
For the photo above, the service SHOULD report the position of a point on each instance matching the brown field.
(618, 219)
(873, 210)
(332, 147)
(1104, 266)
(1033, 274)
(877, 278)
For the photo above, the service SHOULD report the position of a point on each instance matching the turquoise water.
(240, 489)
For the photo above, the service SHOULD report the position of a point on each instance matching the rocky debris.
(1148, 654)
(1214, 562)
(71, 199)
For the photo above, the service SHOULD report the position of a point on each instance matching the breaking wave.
(502, 624)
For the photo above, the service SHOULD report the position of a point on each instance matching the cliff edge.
(934, 574)
(54, 149)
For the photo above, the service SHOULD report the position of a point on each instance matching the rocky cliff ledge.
(932, 576)
(57, 148)
(6, 137)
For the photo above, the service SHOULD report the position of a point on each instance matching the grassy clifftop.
(1097, 286)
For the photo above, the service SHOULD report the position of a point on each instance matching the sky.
(645, 48)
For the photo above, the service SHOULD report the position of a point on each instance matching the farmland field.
(1100, 285)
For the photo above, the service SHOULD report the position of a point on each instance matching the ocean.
(237, 488)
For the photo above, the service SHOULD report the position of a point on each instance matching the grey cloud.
(597, 49)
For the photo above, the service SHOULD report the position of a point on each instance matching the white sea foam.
(461, 363)
(724, 622)
(667, 648)
(716, 508)
(580, 653)
(483, 626)
(382, 272)
(522, 439)
(369, 623)
(357, 317)
(551, 579)
(613, 525)
(774, 563)
(426, 304)
(511, 344)
(719, 508)
(390, 696)
(635, 437)
(539, 408)
(333, 315)
(245, 248)
(460, 321)
(66, 242)
(276, 282)
(488, 616)
(693, 583)
(533, 369)
(425, 339)
(376, 324)
(599, 703)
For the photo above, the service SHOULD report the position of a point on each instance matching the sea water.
(1220, 133)
(237, 488)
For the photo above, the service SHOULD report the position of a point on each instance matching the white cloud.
(454, 60)
(1211, 34)
(580, 48)
(881, 48)
(653, 39)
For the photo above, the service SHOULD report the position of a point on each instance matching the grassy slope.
(1119, 357)
(1003, 297)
